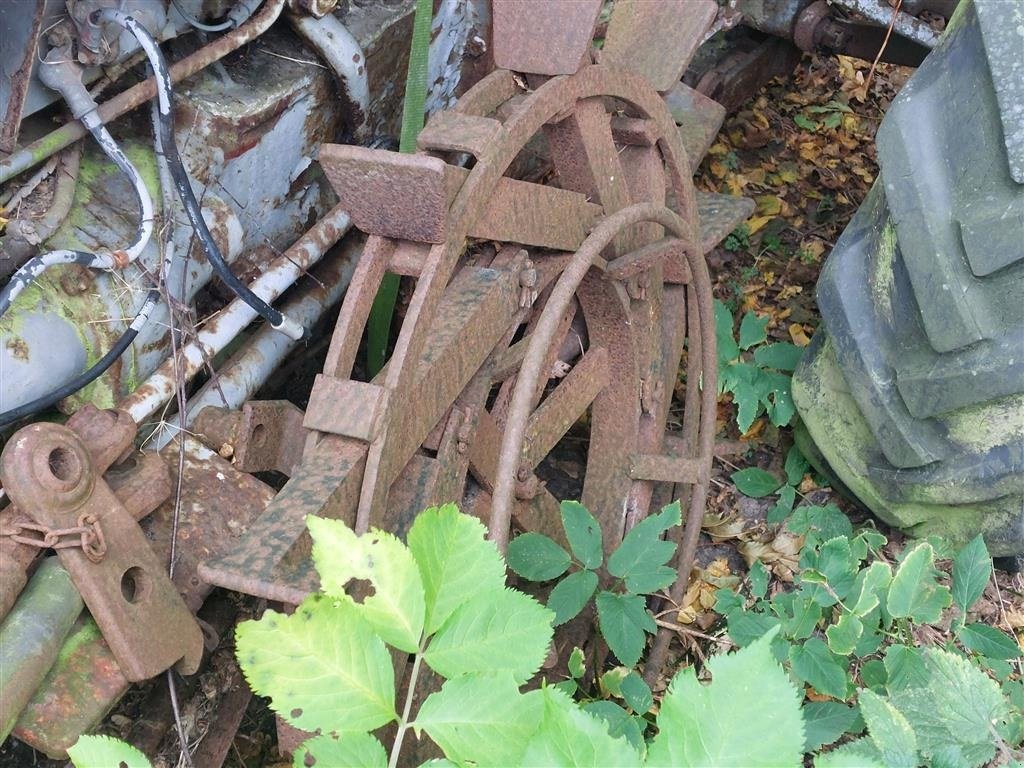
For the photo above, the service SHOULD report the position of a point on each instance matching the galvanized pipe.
(218, 332)
(42, 148)
(31, 637)
(241, 376)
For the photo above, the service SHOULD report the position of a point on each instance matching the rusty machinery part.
(532, 306)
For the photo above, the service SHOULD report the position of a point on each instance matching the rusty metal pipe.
(236, 316)
(31, 637)
(42, 148)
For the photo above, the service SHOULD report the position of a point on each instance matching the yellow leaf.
(718, 148)
(768, 205)
(719, 169)
(798, 335)
(736, 183)
(755, 223)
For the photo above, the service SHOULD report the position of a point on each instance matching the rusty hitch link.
(49, 474)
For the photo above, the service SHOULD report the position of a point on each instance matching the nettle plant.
(442, 600)
(850, 631)
(757, 374)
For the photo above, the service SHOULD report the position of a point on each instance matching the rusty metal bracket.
(48, 472)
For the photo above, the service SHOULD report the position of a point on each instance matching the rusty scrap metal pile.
(552, 244)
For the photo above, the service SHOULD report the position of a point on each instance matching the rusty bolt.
(226, 450)
(527, 285)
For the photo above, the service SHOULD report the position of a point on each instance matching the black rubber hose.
(188, 199)
(92, 373)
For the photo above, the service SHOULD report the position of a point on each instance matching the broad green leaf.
(727, 601)
(536, 557)
(747, 626)
(816, 665)
(577, 663)
(620, 722)
(395, 609)
(904, 668)
(611, 681)
(851, 755)
(804, 617)
(989, 641)
(568, 687)
(571, 594)
(782, 508)
(727, 723)
(844, 634)
(748, 404)
(455, 561)
(755, 482)
(322, 666)
(972, 568)
(623, 620)
(889, 731)
(481, 719)
(758, 580)
(726, 345)
(836, 563)
(501, 630)
(796, 466)
(583, 533)
(782, 356)
(638, 558)
(637, 693)
(752, 330)
(105, 752)
(873, 675)
(569, 737)
(779, 405)
(871, 582)
(914, 592)
(871, 639)
(802, 121)
(958, 708)
(354, 750)
(826, 721)
(819, 523)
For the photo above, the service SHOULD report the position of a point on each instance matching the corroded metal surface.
(549, 38)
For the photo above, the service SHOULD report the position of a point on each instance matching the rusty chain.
(88, 535)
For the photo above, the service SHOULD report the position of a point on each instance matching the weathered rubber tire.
(913, 391)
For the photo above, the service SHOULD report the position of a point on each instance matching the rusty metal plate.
(543, 38)
(667, 468)
(656, 38)
(347, 408)
(390, 194)
(699, 119)
(720, 215)
(450, 131)
(47, 471)
(634, 131)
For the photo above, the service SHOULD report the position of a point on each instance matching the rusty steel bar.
(44, 147)
(544, 335)
(216, 334)
(31, 637)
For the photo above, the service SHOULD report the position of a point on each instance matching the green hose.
(379, 323)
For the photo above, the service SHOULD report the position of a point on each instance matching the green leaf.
(956, 711)
(501, 630)
(870, 584)
(727, 601)
(873, 675)
(747, 626)
(481, 719)
(816, 665)
(854, 754)
(748, 405)
(988, 641)
(725, 723)
(536, 557)
(889, 731)
(805, 123)
(641, 554)
(819, 523)
(904, 668)
(758, 580)
(826, 721)
(396, 607)
(577, 664)
(782, 356)
(611, 681)
(752, 330)
(620, 722)
(637, 693)
(914, 592)
(726, 345)
(571, 594)
(779, 405)
(806, 613)
(796, 466)
(755, 482)
(455, 561)
(623, 620)
(832, 120)
(836, 563)
(105, 752)
(972, 569)
(782, 508)
(844, 634)
(568, 737)
(322, 666)
(358, 750)
(583, 533)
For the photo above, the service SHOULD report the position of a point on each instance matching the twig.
(695, 633)
(881, 50)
